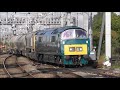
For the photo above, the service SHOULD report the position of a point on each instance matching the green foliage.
(115, 22)
(115, 32)
(115, 26)
(97, 22)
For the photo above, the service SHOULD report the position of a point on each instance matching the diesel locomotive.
(67, 45)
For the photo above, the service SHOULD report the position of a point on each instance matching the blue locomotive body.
(66, 45)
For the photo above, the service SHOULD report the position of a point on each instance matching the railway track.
(57, 71)
(61, 72)
(10, 75)
(41, 74)
(44, 70)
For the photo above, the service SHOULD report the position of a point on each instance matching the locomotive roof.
(56, 30)
(41, 32)
(61, 29)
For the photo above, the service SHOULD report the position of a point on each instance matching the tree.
(115, 33)
(115, 22)
(97, 22)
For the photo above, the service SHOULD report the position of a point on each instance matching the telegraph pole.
(108, 37)
(13, 25)
(90, 32)
(62, 19)
(68, 18)
(101, 36)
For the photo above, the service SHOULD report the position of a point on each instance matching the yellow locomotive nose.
(75, 49)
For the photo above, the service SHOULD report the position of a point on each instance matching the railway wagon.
(67, 45)
(13, 44)
(21, 44)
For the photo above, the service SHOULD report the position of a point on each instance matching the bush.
(115, 37)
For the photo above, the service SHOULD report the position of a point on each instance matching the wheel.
(81, 65)
(40, 59)
(95, 64)
(90, 63)
(65, 66)
(21, 53)
(59, 61)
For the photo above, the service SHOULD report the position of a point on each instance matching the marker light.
(79, 49)
(72, 49)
